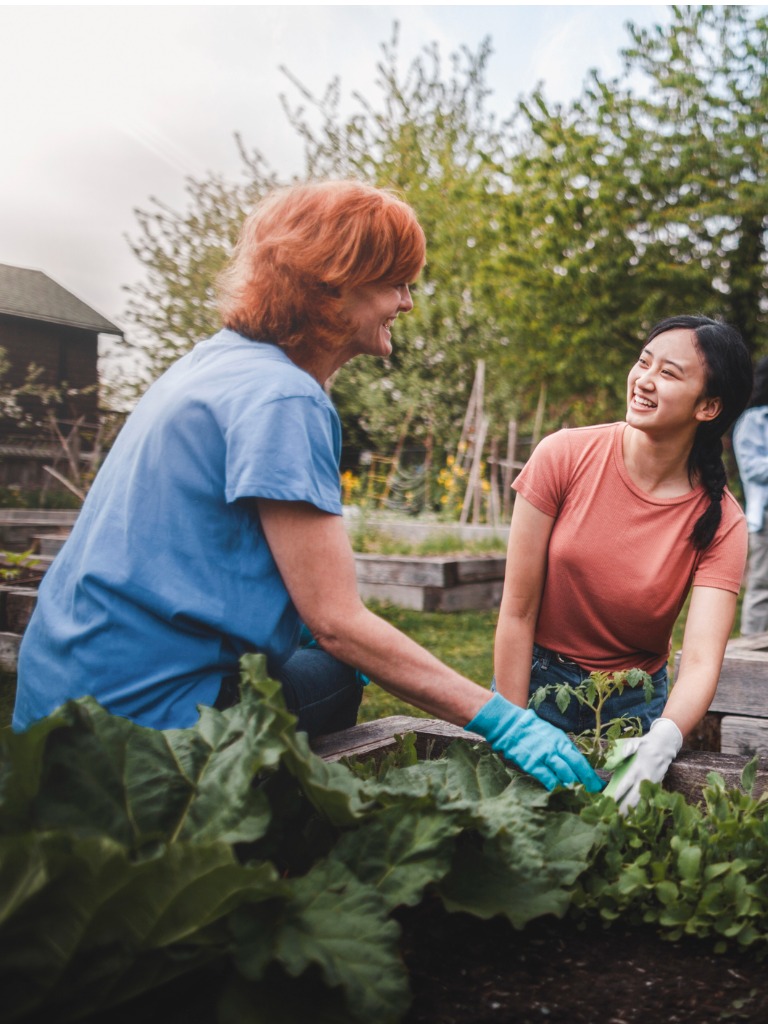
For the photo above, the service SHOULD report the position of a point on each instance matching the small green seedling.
(597, 743)
(15, 562)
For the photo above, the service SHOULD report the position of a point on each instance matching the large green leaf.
(99, 927)
(521, 880)
(339, 924)
(400, 851)
(93, 773)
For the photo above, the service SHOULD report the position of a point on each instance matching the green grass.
(371, 542)
(463, 640)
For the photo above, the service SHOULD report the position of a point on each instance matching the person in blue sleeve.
(214, 527)
(750, 446)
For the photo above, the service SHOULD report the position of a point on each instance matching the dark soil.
(466, 971)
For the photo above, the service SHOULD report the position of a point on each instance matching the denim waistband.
(543, 652)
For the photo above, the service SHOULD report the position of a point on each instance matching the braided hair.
(729, 377)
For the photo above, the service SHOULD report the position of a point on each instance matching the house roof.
(33, 295)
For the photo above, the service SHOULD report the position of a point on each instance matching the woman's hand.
(651, 755)
(534, 745)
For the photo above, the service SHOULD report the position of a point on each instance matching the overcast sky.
(105, 106)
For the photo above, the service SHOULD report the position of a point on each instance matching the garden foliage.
(131, 857)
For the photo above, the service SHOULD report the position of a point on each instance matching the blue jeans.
(320, 690)
(547, 668)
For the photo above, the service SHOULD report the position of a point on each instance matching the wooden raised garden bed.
(687, 775)
(738, 715)
(18, 596)
(432, 583)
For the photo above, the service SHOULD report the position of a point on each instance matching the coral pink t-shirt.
(620, 562)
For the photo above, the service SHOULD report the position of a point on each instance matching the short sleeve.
(286, 449)
(721, 565)
(540, 480)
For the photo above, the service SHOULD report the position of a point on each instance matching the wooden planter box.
(687, 775)
(740, 705)
(432, 583)
(18, 596)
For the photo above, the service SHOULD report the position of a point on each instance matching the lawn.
(463, 640)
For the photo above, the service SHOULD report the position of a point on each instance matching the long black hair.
(729, 377)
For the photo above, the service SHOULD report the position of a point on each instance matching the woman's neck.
(317, 362)
(657, 467)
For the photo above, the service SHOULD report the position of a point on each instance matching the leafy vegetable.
(228, 852)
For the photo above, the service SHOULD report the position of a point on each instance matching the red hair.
(303, 245)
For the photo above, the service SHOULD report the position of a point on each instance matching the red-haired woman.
(214, 527)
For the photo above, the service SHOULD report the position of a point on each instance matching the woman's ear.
(709, 409)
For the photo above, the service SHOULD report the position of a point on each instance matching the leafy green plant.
(597, 743)
(689, 870)
(14, 563)
(230, 857)
(130, 856)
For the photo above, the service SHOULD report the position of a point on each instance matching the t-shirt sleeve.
(286, 449)
(722, 564)
(541, 480)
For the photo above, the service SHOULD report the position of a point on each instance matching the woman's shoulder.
(732, 510)
(580, 438)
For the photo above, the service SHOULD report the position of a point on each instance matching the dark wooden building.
(44, 326)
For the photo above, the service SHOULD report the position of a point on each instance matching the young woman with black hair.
(613, 526)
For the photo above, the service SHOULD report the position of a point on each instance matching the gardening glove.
(644, 757)
(535, 746)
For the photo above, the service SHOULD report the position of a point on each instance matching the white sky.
(104, 106)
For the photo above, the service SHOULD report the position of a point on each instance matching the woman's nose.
(406, 301)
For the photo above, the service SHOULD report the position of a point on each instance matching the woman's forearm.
(400, 665)
(512, 654)
(710, 619)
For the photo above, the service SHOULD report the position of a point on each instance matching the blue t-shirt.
(167, 579)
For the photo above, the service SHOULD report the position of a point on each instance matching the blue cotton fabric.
(166, 579)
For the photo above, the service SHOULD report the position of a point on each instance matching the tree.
(432, 138)
(182, 253)
(555, 238)
(646, 196)
(705, 108)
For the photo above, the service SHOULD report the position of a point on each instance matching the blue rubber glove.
(535, 746)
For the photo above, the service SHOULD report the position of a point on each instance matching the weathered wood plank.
(742, 688)
(370, 738)
(9, 651)
(16, 607)
(477, 568)
(467, 597)
(743, 736)
(428, 570)
(402, 596)
(687, 775)
(406, 571)
(753, 642)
